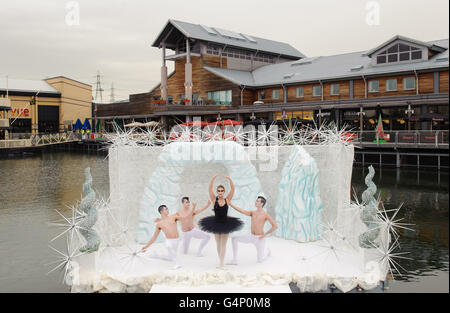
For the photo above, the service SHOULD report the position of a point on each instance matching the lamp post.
(320, 115)
(361, 114)
(409, 111)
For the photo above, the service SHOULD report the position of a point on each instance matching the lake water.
(33, 188)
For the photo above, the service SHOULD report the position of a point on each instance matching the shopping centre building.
(222, 74)
(49, 105)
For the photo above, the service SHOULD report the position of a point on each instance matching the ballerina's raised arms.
(221, 190)
(220, 224)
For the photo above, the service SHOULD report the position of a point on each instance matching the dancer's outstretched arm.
(155, 235)
(211, 192)
(240, 210)
(230, 195)
(177, 216)
(203, 208)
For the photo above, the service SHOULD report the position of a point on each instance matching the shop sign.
(20, 112)
(351, 114)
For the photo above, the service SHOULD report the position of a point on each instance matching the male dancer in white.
(187, 225)
(168, 225)
(257, 236)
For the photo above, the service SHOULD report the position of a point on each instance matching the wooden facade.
(139, 104)
(203, 81)
(443, 81)
(352, 92)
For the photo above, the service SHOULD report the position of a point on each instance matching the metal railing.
(30, 139)
(200, 102)
(427, 138)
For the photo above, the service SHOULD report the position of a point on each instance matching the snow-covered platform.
(220, 288)
(313, 266)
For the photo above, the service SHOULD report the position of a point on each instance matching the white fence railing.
(28, 139)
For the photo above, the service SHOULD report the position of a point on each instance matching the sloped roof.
(230, 38)
(328, 67)
(237, 77)
(27, 85)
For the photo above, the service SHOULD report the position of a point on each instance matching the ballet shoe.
(221, 267)
(232, 262)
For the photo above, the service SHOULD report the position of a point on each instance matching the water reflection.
(31, 189)
(425, 199)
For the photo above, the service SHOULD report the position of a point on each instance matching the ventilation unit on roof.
(208, 29)
(442, 59)
(228, 33)
(304, 61)
(301, 63)
(249, 38)
(288, 75)
(356, 68)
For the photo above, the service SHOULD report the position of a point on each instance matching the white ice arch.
(163, 186)
(298, 214)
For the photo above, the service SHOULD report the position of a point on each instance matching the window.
(399, 53)
(334, 89)
(374, 86)
(416, 55)
(299, 92)
(317, 91)
(381, 59)
(261, 95)
(212, 49)
(222, 97)
(276, 94)
(409, 83)
(391, 84)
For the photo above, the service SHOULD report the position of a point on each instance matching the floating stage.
(324, 241)
(312, 266)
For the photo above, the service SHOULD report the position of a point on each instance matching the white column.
(188, 75)
(164, 87)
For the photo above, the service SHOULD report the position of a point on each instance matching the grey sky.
(114, 36)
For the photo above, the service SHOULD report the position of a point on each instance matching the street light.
(320, 115)
(361, 114)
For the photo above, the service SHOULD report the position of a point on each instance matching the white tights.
(195, 233)
(260, 244)
(171, 255)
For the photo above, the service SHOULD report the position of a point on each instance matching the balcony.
(4, 122)
(5, 104)
(437, 139)
(176, 106)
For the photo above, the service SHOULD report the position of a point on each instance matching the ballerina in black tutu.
(220, 224)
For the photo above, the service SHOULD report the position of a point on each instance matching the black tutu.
(212, 224)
